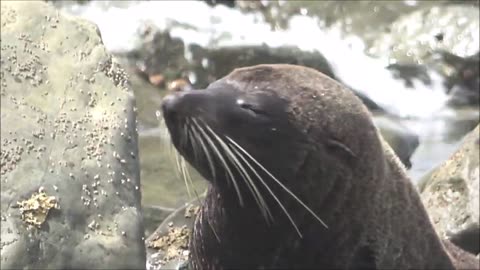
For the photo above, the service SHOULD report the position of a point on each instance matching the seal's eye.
(250, 107)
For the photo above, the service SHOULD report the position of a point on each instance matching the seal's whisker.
(177, 161)
(165, 143)
(277, 181)
(181, 171)
(172, 153)
(261, 201)
(191, 140)
(188, 177)
(180, 165)
(194, 141)
(270, 191)
(245, 175)
(205, 151)
(220, 157)
(186, 174)
(183, 137)
(251, 185)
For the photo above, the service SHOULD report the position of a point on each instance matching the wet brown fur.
(342, 169)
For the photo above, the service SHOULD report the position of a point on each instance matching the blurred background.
(415, 64)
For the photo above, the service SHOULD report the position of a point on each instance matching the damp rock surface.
(70, 194)
(451, 195)
(413, 37)
(168, 246)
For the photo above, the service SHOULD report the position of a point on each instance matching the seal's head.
(299, 177)
(285, 117)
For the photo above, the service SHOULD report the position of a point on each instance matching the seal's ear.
(344, 150)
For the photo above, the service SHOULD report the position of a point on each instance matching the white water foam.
(222, 26)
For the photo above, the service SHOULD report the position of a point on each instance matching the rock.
(451, 194)
(159, 53)
(164, 250)
(70, 195)
(462, 77)
(410, 73)
(416, 36)
(399, 137)
(153, 216)
(443, 39)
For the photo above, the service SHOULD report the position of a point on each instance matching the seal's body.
(300, 177)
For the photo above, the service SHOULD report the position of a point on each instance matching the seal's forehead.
(283, 81)
(265, 79)
(298, 84)
(310, 93)
(256, 77)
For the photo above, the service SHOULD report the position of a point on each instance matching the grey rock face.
(415, 36)
(69, 147)
(170, 255)
(443, 38)
(451, 194)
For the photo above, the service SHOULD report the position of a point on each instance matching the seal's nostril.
(182, 104)
(169, 104)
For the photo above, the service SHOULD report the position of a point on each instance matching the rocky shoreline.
(82, 182)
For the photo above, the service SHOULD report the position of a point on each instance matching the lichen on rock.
(69, 126)
(450, 193)
(35, 209)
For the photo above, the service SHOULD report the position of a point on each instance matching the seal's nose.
(185, 104)
(175, 103)
(170, 103)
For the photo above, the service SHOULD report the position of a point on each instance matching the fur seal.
(299, 177)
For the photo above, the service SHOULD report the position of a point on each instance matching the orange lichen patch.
(35, 209)
(179, 85)
(174, 244)
(156, 79)
(191, 211)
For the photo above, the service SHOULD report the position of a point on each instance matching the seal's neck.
(225, 232)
